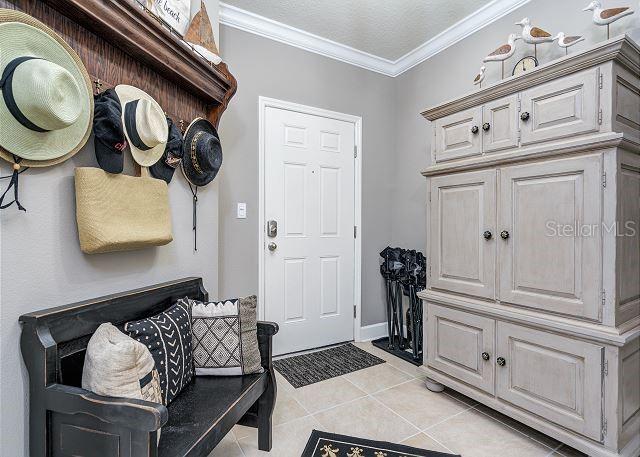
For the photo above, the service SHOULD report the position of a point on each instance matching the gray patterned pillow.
(225, 340)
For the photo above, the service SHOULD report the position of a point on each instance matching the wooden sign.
(176, 13)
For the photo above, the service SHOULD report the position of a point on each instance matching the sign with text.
(176, 13)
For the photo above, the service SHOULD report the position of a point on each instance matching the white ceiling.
(385, 28)
(386, 36)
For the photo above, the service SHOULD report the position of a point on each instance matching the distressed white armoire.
(532, 304)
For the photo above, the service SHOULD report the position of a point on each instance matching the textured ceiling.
(384, 28)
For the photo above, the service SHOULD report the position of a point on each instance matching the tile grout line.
(513, 428)
(441, 444)
(553, 451)
(446, 419)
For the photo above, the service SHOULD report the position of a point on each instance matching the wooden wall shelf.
(125, 24)
(122, 43)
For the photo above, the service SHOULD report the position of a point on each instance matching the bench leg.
(266, 405)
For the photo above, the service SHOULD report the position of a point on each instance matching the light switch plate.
(242, 211)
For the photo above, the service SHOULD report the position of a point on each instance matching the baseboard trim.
(373, 332)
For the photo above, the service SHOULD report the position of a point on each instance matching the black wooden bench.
(66, 420)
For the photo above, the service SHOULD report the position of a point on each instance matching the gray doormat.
(302, 370)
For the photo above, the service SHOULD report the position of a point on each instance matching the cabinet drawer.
(455, 137)
(456, 342)
(555, 377)
(561, 108)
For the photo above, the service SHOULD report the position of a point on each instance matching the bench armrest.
(126, 412)
(266, 330)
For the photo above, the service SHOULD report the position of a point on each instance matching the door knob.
(486, 126)
(524, 116)
(475, 129)
(485, 356)
(504, 234)
(272, 246)
(501, 361)
(487, 235)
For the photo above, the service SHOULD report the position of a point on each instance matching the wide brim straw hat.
(145, 124)
(62, 110)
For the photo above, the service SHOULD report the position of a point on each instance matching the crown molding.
(258, 25)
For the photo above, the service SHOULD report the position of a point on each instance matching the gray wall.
(271, 69)
(449, 75)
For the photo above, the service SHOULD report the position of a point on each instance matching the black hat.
(110, 141)
(164, 168)
(202, 152)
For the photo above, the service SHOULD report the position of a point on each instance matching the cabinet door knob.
(475, 129)
(524, 116)
(504, 234)
(501, 361)
(485, 356)
(486, 126)
(487, 235)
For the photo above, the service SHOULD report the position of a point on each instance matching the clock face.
(524, 65)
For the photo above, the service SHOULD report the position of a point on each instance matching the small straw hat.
(145, 124)
(46, 102)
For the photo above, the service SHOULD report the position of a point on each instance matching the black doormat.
(322, 444)
(302, 370)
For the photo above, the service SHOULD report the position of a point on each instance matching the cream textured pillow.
(116, 365)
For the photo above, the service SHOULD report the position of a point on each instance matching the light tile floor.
(390, 402)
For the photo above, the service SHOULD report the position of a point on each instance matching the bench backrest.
(60, 335)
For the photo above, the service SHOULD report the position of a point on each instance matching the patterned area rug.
(322, 444)
(305, 369)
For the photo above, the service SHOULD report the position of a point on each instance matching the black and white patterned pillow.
(225, 341)
(168, 337)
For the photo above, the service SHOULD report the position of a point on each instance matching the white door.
(309, 264)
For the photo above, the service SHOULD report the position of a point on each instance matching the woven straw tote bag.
(118, 212)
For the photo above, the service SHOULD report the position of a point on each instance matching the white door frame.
(263, 104)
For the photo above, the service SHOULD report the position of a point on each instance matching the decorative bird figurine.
(567, 41)
(607, 16)
(534, 35)
(503, 52)
(480, 77)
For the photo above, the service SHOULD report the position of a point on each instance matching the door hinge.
(601, 81)
(355, 151)
(355, 314)
(604, 182)
(604, 427)
(604, 298)
(605, 368)
(355, 231)
(519, 105)
(600, 116)
(519, 136)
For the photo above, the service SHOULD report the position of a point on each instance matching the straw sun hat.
(46, 105)
(145, 124)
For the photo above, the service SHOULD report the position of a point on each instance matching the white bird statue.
(503, 52)
(567, 41)
(534, 35)
(480, 77)
(607, 16)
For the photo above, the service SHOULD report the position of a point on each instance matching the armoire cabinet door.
(462, 240)
(561, 108)
(500, 124)
(550, 217)
(459, 135)
(555, 377)
(461, 345)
